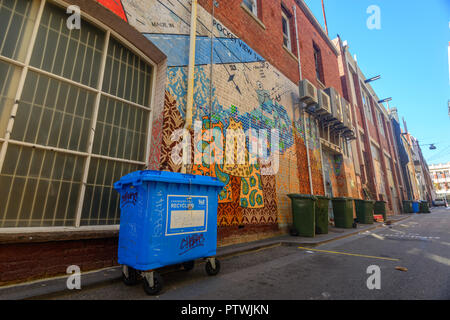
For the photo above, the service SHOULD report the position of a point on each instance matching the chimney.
(393, 112)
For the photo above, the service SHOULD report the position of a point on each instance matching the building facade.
(426, 187)
(375, 158)
(414, 170)
(81, 107)
(440, 174)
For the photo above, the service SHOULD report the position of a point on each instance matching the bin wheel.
(210, 270)
(189, 265)
(157, 284)
(132, 277)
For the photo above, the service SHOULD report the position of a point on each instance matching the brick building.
(81, 108)
(376, 161)
(440, 174)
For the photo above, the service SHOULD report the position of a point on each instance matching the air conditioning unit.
(350, 134)
(324, 104)
(336, 106)
(308, 93)
(347, 113)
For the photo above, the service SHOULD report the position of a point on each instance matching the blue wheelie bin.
(166, 219)
(415, 206)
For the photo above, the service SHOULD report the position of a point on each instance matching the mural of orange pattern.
(302, 164)
(267, 214)
(214, 157)
(115, 6)
(316, 172)
(230, 213)
(172, 121)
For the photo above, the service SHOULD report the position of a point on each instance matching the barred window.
(80, 121)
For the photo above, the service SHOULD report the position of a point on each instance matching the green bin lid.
(342, 199)
(301, 196)
(365, 200)
(323, 197)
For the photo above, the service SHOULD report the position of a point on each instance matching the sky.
(409, 51)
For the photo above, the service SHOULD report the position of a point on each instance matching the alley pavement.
(412, 257)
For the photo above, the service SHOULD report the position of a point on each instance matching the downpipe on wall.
(301, 104)
(191, 76)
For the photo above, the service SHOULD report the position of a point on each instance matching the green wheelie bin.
(423, 207)
(380, 208)
(303, 214)
(343, 212)
(407, 206)
(364, 211)
(322, 214)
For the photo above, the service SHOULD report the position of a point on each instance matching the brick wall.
(21, 262)
(268, 42)
(245, 91)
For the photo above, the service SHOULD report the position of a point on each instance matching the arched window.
(74, 117)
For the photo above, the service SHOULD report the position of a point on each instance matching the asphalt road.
(420, 245)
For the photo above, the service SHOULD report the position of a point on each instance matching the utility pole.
(325, 20)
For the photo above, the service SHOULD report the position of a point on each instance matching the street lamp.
(372, 79)
(385, 100)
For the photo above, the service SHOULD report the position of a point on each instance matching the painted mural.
(245, 93)
(115, 6)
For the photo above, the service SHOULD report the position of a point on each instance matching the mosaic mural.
(246, 93)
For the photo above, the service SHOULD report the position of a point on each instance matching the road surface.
(411, 260)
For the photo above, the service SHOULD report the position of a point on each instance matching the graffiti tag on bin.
(129, 198)
(191, 242)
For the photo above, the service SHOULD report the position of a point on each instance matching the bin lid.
(364, 200)
(342, 198)
(137, 177)
(301, 196)
(323, 197)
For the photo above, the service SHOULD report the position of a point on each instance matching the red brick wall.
(31, 261)
(269, 42)
(358, 103)
(25, 262)
(235, 234)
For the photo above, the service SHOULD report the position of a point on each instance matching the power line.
(439, 154)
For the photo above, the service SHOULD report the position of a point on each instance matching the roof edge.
(316, 24)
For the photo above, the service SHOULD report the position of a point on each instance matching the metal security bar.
(79, 106)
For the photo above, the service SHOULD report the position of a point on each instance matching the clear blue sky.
(409, 52)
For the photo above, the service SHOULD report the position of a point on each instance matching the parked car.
(440, 203)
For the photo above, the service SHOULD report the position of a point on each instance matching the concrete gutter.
(42, 288)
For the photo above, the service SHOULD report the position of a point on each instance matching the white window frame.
(381, 122)
(99, 92)
(367, 109)
(254, 8)
(288, 35)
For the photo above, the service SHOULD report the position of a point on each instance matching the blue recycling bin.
(166, 218)
(415, 206)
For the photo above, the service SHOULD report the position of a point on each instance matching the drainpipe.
(191, 76)
(191, 71)
(304, 114)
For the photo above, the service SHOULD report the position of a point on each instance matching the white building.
(440, 173)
